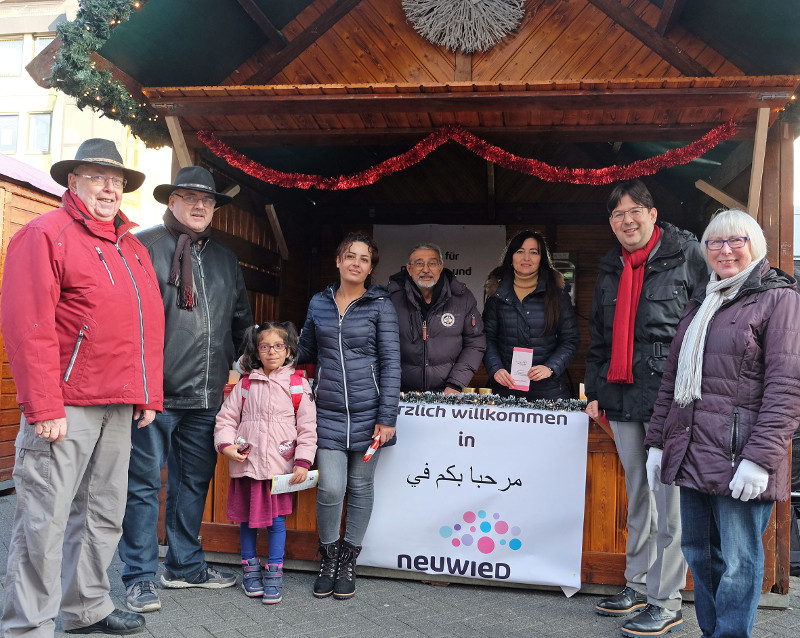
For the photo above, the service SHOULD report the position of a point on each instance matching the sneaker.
(345, 585)
(252, 582)
(208, 578)
(142, 597)
(273, 584)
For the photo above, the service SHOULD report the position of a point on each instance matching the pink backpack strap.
(245, 389)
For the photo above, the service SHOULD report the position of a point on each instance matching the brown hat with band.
(101, 152)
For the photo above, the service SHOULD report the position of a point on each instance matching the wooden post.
(756, 174)
(178, 142)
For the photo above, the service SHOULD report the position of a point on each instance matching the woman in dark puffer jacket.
(724, 417)
(351, 334)
(530, 310)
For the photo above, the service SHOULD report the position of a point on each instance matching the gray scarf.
(690, 361)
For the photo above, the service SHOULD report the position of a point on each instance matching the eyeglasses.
(279, 347)
(101, 180)
(430, 265)
(192, 199)
(635, 213)
(733, 242)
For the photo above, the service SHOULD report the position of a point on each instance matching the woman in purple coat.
(724, 417)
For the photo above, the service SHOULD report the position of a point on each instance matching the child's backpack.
(295, 387)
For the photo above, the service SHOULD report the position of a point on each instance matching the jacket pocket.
(374, 378)
(33, 455)
(734, 436)
(75, 368)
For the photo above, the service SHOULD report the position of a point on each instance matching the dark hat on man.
(193, 178)
(101, 152)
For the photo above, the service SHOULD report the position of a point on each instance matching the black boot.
(345, 585)
(323, 586)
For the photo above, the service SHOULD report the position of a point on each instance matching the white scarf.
(690, 361)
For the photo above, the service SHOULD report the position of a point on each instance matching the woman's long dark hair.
(286, 329)
(553, 279)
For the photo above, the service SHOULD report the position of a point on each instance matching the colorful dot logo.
(487, 533)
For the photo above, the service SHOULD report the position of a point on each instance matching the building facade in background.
(42, 126)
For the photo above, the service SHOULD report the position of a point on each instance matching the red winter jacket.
(82, 316)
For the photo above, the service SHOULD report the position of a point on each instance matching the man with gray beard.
(441, 330)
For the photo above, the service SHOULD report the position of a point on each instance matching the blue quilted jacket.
(357, 379)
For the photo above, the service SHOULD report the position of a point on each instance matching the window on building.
(11, 57)
(39, 44)
(9, 124)
(39, 132)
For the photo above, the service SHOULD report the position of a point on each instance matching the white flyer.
(520, 364)
(281, 485)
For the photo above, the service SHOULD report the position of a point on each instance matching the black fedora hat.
(194, 178)
(101, 152)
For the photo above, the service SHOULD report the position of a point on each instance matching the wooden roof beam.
(721, 196)
(41, 68)
(500, 101)
(268, 29)
(670, 15)
(371, 137)
(651, 38)
(178, 141)
(299, 44)
(757, 172)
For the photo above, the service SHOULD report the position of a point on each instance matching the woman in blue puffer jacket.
(530, 310)
(351, 334)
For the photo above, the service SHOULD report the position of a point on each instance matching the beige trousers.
(70, 503)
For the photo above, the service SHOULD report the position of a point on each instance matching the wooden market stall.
(332, 87)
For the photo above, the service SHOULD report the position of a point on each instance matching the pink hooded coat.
(269, 424)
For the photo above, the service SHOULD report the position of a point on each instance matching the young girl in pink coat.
(282, 439)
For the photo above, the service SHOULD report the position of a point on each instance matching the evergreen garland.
(75, 74)
(471, 398)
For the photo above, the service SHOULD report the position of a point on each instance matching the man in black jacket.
(206, 311)
(641, 291)
(441, 331)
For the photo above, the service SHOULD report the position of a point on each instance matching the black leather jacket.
(199, 346)
(670, 279)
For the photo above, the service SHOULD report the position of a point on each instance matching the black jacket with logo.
(454, 343)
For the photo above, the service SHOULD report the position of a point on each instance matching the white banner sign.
(482, 492)
(471, 252)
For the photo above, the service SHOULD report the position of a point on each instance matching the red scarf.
(628, 293)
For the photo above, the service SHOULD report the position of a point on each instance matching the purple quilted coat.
(750, 390)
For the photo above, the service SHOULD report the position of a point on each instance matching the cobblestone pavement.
(387, 607)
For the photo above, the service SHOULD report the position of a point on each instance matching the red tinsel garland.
(489, 152)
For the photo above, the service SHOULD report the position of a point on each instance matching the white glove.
(749, 481)
(654, 468)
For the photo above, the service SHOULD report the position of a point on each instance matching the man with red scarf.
(642, 288)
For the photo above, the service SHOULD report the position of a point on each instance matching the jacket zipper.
(141, 317)
(103, 259)
(74, 355)
(424, 355)
(374, 378)
(208, 323)
(734, 435)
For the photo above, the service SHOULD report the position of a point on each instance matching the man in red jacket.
(83, 325)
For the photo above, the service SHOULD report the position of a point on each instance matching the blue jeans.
(184, 439)
(722, 544)
(343, 472)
